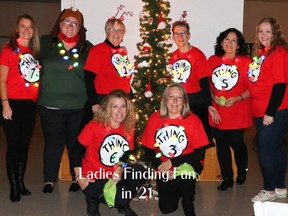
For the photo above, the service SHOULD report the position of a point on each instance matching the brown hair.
(34, 42)
(181, 23)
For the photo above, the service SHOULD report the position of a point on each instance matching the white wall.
(207, 18)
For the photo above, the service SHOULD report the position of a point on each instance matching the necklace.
(66, 55)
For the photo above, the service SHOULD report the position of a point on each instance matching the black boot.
(227, 182)
(14, 185)
(127, 211)
(21, 171)
(92, 206)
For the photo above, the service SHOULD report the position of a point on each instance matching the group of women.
(175, 138)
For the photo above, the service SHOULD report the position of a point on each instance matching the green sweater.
(60, 87)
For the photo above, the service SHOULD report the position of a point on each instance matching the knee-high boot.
(12, 174)
(21, 171)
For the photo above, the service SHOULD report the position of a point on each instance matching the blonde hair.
(103, 115)
(163, 108)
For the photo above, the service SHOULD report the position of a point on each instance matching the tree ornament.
(148, 92)
(161, 22)
(146, 47)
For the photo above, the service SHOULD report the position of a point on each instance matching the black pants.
(126, 187)
(60, 128)
(18, 131)
(235, 139)
(171, 191)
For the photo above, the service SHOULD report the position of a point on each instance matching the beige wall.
(254, 11)
(45, 14)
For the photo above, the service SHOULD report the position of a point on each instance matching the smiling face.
(264, 33)
(181, 36)
(174, 102)
(118, 111)
(230, 44)
(25, 29)
(115, 33)
(70, 27)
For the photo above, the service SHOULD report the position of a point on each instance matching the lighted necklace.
(65, 55)
(29, 68)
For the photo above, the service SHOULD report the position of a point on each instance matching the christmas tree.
(151, 62)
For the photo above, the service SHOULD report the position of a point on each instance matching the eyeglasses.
(69, 22)
(182, 33)
(113, 30)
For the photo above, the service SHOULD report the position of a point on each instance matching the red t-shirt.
(274, 69)
(229, 79)
(105, 146)
(175, 137)
(112, 67)
(23, 74)
(188, 68)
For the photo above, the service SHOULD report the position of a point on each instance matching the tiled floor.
(209, 201)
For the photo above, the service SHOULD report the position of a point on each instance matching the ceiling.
(59, 1)
(40, 1)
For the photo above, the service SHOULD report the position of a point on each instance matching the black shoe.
(127, 211)
(14, 194)
(92, 206)
(240, 179)
(226, 183)
(48, 188)
(74, 187)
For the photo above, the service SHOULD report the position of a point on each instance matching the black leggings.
(235, 139)
(126, 187)
(18, 131)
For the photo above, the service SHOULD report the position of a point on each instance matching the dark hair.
(277, 37)
(240, 41)
(82, 32)
(34, 42)
(181, 23)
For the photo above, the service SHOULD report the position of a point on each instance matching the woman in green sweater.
(62, 94)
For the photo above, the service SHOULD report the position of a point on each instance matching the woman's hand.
(267, 120)
(7, 111)
(217, 100)
(216, 119)
(231, 101)
(83, 182)
(95, 108)
(116, 177)
(165, 166)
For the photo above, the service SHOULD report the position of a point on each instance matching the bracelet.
(5, 100)
(241, 96)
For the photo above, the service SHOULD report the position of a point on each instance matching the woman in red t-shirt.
(108, 139)
(268, 76)
(19, 76)
(175, 137)
(229, 87)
